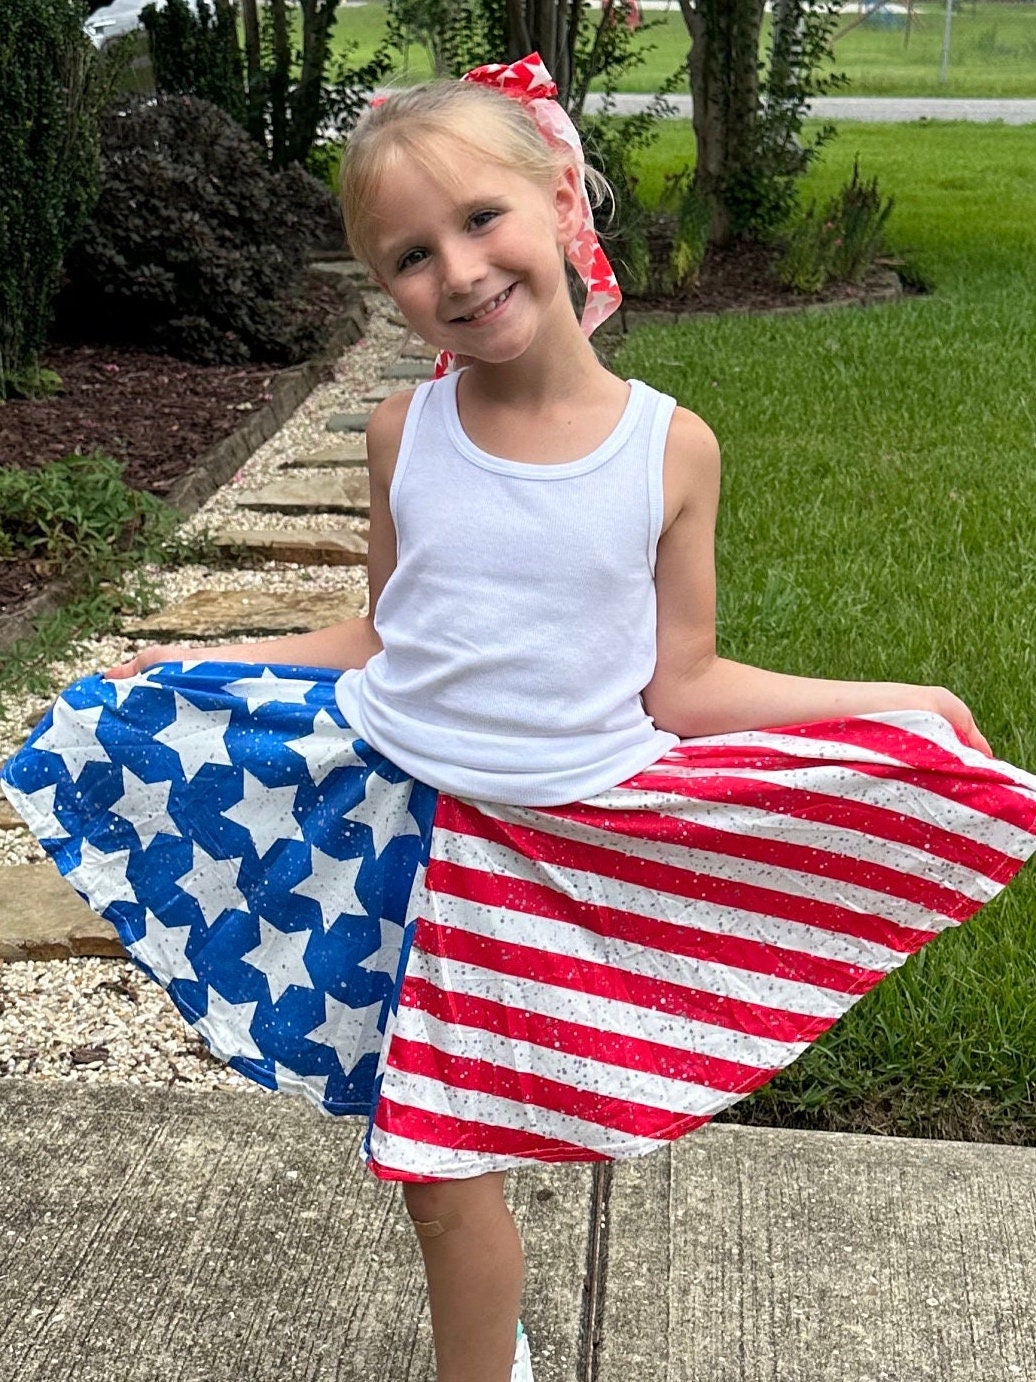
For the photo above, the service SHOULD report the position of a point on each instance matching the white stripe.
(941, 732)
(738, 820)
(679, 1097)
(432, 1096)
(628, 957)
(426, 1159)
(601, 1013)
(919, 804)
(724, 920)
(728, 868)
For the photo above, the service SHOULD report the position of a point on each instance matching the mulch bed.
(156, 414)
(742, 278)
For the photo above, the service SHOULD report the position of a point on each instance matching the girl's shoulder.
(384, 433)
(691, 444)
(691, 469)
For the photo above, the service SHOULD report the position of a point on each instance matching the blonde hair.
(420, 122)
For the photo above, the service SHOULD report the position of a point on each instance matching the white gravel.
(90, 1020)
(98, 1019)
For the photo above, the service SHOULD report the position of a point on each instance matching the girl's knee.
(438, 1207)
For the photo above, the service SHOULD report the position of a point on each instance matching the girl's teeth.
(484, 310)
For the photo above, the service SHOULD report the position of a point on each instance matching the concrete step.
(351, 451)
(346, 492)
(221, 614)
(408, 369)
(43, 918)
(751, 1253)
(236, 1234)
(9, 817)
(303, 546)
(377, 393)
(347, 422)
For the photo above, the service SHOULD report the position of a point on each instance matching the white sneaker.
(521, 1369)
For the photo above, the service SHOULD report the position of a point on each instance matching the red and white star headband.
(528, 81)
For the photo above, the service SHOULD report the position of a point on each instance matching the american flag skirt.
(492, 985)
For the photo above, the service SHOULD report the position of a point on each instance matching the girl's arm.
(341, 646)
(693, 691)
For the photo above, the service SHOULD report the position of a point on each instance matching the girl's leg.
(473, 1261)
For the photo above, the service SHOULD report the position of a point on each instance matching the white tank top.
(518, 627)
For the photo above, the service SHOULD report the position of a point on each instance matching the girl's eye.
(482, 218)
(409, 259)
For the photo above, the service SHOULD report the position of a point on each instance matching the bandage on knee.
(435, 1228)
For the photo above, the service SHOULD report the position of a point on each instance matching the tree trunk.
(317, 19)
(548, 27)
(279, 83)
(253, 71)
(725, 92)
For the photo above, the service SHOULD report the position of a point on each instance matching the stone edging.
(216, 466)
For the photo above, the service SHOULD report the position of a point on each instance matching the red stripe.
(673, 938)
(929, 765)
(677, 1001)
(540, 847)
(825, 808)
(825, 863)
(479, 1076)
(460, 1135)
(579, 1039)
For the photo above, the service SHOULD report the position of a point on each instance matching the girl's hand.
(952, 708)
(147, 657)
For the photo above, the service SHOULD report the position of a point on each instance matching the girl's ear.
(568, 203)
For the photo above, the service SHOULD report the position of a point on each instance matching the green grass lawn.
(878, 521)
(992, 53)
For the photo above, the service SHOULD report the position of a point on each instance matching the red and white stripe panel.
(592, 981)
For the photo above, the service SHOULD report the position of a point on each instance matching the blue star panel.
(255, 857)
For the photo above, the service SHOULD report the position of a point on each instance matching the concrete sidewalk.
(876, 109)
(171, 1236)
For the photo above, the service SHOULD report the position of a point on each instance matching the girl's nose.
(461, 267)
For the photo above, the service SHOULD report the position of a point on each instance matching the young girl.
(516, 864)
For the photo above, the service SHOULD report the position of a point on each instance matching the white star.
(102, 876)
(212, 883)
(385, 959)
(196, 736)
(385, 811)
(164, 950)
(122, 686)
(145, 806)
(266, 813)
(37, 808)
(73, 736)
(279, 956)
(227, 1026)
(291, 1082)
(270, 687)
(351, 1032)
(326, 748)
(332, 884)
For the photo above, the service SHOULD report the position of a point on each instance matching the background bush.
(196, 246)
(48, 168)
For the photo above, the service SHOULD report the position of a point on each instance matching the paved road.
(876, 109)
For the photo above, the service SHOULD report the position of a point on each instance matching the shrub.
(78, 508)
(48, 169)
(838, 242)
(196, 247)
